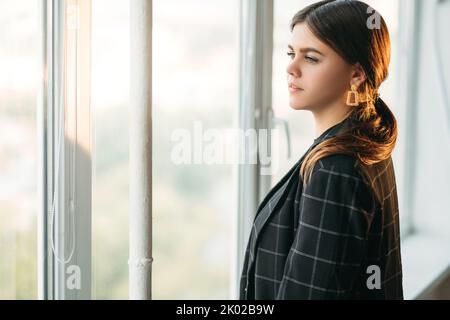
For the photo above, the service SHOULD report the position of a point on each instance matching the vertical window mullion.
(66, 269)
(255, 111)
(42, 125)
(140, 221)
(410, 20)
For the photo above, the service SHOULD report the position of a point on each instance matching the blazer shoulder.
(339, 162)
(345, 166)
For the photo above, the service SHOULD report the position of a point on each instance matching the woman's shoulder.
(340, 163)
(338, 177)
(348, 166)
(335, 169)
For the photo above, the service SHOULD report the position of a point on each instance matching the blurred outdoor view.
(19, 66)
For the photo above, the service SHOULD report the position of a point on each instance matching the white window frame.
(409, 28)
(255, 112)
(140, 231)
(56, 279)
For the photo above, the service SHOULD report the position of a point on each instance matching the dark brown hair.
(343, 25)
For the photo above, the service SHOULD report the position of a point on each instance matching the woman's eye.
(311, 59)
(308, 58)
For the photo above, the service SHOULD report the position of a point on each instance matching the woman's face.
(321, 74)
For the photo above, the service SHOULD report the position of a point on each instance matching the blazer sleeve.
(335, 212)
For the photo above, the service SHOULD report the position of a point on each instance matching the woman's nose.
(293, 70)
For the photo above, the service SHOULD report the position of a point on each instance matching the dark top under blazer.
(317, 242)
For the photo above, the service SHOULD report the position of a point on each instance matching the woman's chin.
(298, 106)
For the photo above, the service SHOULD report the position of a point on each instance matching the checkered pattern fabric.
(336, 238)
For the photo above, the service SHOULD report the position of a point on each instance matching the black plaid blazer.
(329, 239)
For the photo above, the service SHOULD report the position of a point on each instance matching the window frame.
(255, 113)
(53, 275)
(409, 43)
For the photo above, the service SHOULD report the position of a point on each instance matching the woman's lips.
(293, 89)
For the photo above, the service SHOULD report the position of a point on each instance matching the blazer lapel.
(271, 202)
(272, 199)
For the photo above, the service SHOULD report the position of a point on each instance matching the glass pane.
(19, 65)
(110, 84)
(195, 78)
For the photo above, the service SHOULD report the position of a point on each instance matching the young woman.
(330, 228)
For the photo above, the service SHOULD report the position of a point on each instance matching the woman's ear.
(358, 76)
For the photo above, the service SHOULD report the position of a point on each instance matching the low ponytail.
(370, 137)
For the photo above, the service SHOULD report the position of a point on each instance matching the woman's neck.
(329, 117)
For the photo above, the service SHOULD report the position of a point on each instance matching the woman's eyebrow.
(309, 49)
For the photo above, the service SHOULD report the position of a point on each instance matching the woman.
(330, 228)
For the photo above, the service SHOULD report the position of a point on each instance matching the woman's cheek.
(328, 79)
(317, 79)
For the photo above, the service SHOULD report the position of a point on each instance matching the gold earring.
(353, 97)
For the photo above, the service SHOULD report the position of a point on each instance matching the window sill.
(426, 263)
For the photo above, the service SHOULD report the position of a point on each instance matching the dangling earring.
(353, 97)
